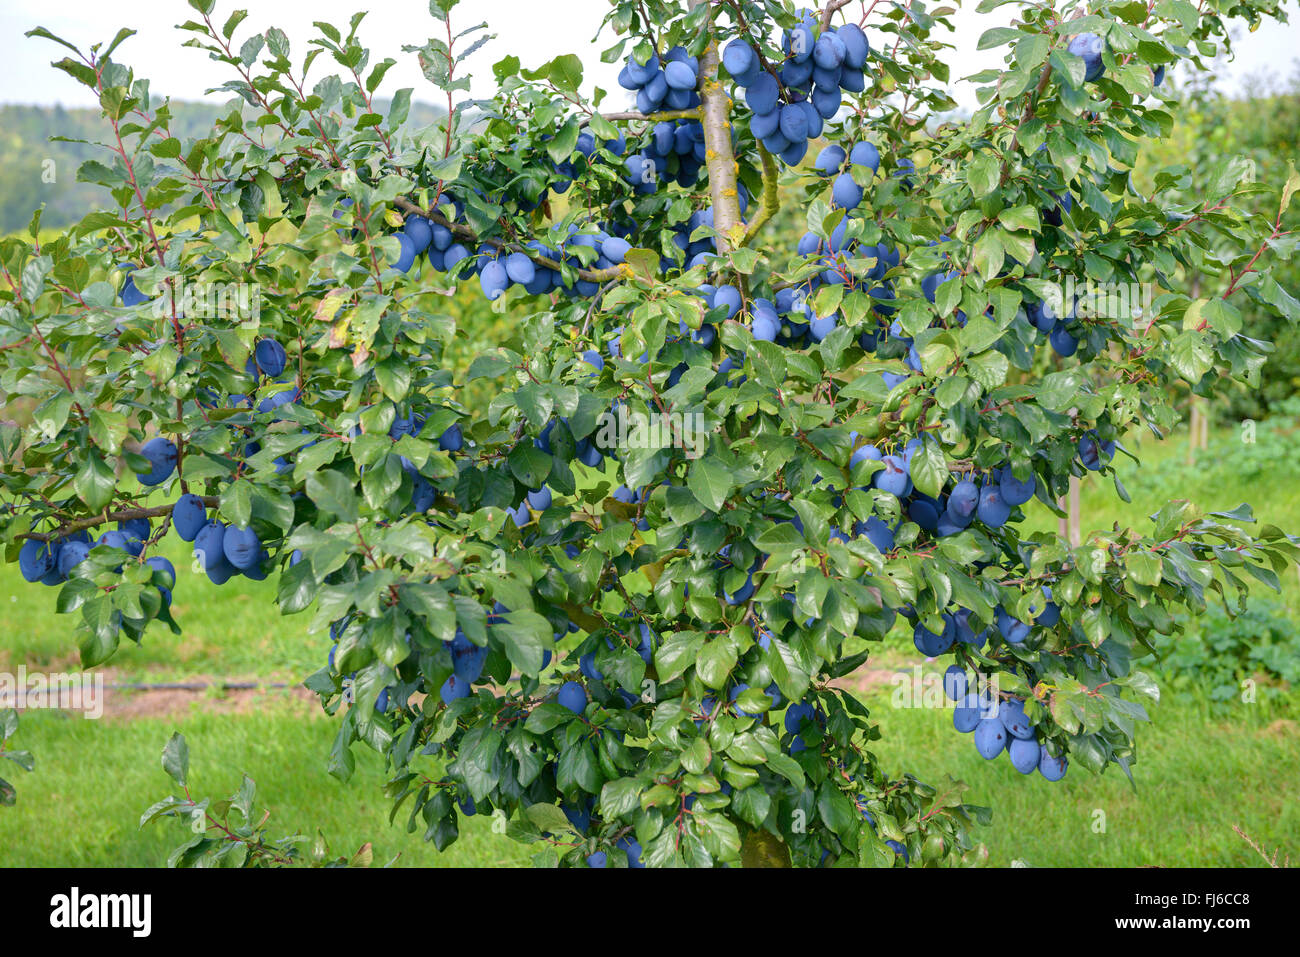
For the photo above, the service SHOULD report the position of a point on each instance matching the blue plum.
(573, 696)
(990, 738)
(162, 455)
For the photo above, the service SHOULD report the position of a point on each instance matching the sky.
(528, 29)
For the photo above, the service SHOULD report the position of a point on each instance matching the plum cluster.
(988, 498)
(701, 250)
(676, 146)
(265, 366)
(51, 563)
(1000, 726)
(675, 149)
(663, 83)
(788, 317)
(957, 628)
(222, 551)
(628, 844)
(499, 268)
(791, 103)
(1063, 332)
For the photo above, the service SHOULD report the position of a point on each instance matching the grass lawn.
(93, 780)
(1200, 769)
(1198, 773)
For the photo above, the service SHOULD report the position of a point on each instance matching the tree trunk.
(715, 115)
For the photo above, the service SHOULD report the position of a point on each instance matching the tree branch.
(121, 515)
(464, 232)
(830, 10)
(692, 114)
(771, 196)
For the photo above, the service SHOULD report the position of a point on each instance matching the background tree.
(1211, 125)
(626, 649)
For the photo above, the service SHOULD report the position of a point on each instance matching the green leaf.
(1031, 51)
(619, 798)
(490, 365)
(982, 174)
(989, 254)
(769, 364)
(108, 430)
(1190, 355)
(1068, 67)
(526, 636)
(52, 414)
(1144, 568)
(578, 769)
(94, 482)
(787, 767)
(710, 482)
(237, 503)
(715, 661)
(530, 465)
(176, 759)
(677, 653)
(929, 469)
(788, 670)
(476, 760)
(996, 37)
(752, 804)
(394, 378)
(1021, 217)
(334, 494)
(296, 588)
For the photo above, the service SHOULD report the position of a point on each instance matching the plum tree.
(866, 390)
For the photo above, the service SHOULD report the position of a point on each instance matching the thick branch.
(771, 196)
(122, 515)
(830, 10)
(658, 117)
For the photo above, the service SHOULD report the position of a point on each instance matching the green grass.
(1200, 770)
(232, 630)
(93, 779)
